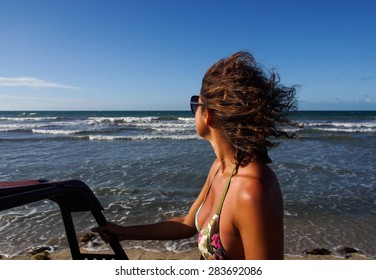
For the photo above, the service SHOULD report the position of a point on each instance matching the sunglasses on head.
(195, 103)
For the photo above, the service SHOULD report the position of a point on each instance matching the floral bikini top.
(209, 241)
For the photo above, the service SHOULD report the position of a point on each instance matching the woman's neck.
(224, 151)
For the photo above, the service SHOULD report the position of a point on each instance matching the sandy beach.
(140, 254)
(63, 253)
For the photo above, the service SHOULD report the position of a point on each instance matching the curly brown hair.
(248, 105)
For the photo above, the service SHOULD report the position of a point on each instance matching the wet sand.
(140, 254)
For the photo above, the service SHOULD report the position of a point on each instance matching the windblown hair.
(248, 105)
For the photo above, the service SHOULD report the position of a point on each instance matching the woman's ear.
(208, 116)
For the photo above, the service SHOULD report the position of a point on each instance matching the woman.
(239, 211)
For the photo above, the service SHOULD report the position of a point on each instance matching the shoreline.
(141, 254)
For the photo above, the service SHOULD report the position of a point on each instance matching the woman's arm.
(165, 230)
(175, 228)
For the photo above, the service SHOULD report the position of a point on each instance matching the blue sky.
(151, 55)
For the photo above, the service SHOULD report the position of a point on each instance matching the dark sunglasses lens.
(194, 105)
(194, 108)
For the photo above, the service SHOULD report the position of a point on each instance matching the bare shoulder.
(258, 195)
(256, 182)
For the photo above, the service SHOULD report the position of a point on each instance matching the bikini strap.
(219, 209)
(211, 183)
(203, 201)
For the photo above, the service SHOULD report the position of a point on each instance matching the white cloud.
(31, 83)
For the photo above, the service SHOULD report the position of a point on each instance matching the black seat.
(71, 196)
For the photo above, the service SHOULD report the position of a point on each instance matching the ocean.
(148, 166)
